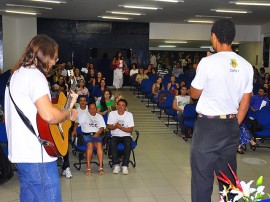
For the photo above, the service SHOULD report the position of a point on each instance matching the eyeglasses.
(57, 60)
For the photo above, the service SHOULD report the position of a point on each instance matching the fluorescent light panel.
(175, 41)
(211, 16)
(124, 13)
(140, 7)
(167, 46)
(50, 1)
(250, 3)
(21, 12)
(114, 18)
(27, 6)
(201, 21)
(205, 47)
(171, 1)
(230, 11)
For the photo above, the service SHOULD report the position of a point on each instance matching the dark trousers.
(180, 118)
(127, 150)
(66, 162)
(214, 145)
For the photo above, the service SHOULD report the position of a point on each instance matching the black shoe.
(240, 151)
(253, 147)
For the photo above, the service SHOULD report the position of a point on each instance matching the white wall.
(17, 32)
(252, 52)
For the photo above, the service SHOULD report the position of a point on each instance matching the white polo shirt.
(223, 77)
(126, 120)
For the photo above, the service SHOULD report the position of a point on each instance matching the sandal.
(88, 172)
(240, 151)
(100, 171)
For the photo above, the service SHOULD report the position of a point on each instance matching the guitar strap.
(26, 121)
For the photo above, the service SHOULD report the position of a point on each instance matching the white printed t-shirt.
(27, 85)
(182, 101)
(223, 77)
(126, 120)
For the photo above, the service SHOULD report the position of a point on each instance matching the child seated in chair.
(121, 124)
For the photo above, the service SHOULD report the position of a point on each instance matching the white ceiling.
(171, 12)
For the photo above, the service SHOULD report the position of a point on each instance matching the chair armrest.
(137, 136)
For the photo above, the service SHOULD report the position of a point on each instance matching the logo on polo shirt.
(233, 63)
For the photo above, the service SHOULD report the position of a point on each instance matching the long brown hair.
(39, 52)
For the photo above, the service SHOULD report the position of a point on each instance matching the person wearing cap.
(223, 84)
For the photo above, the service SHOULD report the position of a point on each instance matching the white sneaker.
(67, 173)
(116, 169)
(125, 170)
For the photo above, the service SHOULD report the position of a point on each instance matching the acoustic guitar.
(56, 135)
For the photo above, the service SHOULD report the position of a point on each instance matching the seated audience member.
(105, 103)
(77, 74)
(98, 79)
(177, 70)
(58, 73)
(141, 75)
(173, 86)
(133, 70)
(60, 86)
(99, 91)
(121, 124)
(157, 87)
(150, 70)
(267, 94)
(266, 78)
(81, 89)
(92, 125)
(179, 104)
(260, 100)
(116, 99)
(91, 77)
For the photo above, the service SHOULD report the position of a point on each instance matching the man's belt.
(228, 116)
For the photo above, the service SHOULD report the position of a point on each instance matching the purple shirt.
(256, 101)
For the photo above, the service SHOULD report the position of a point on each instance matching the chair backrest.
(166, 77)
(190, 111)
(263, 116)
(152, 77)
(169, 102)
(3, 133)
(145, 85)
(162, 95)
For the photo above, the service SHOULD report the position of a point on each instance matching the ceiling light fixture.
(175, 41)
(230, 11)
(211, 16)
(140, 7)
(250, 3)
(50, 1)
(171, 1)
(21, 12)
(235, 43)
(167, 46)
(201, 21)
(205, 47)
(114, 18)
(124, 13)
(27, 6)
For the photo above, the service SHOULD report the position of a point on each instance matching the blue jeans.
(39, 182)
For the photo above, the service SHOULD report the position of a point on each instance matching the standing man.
(223, 84)
(37, 171)
(121, 124)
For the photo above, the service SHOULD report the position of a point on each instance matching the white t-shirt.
(182, 101)
(27, 86)
(126, 120)
(223, 77)
(88, 122)
(132, 71)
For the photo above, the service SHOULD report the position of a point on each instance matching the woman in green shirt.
(105, 103)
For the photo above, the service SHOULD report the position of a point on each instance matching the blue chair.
(81, 149)
(161, 100)
(121, 147)
(190, 116)
(153, 77)
(169, 108)
(261, 126)
(3, 138)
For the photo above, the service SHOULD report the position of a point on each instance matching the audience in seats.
(135, 60)
(116, 99)
(179, 104)
(267, 94)
(60, 86)
(150, 70)
(58, 73)
(106, 102)
(77, 74)
(260, 100)
(92, 125)
(91, 77)
(121, 124)
(266, 78)
(178, 70)
(99, 91)
(173, 86)
(157, 87)
(98, 79)
(141, 75)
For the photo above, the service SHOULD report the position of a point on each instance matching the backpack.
(6, 171)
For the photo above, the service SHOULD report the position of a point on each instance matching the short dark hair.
(263, 88)
(123, 100)
(224, 30)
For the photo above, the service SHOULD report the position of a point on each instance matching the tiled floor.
(162, 172)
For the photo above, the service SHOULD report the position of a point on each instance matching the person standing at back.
(37, 171)
(223, 84)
